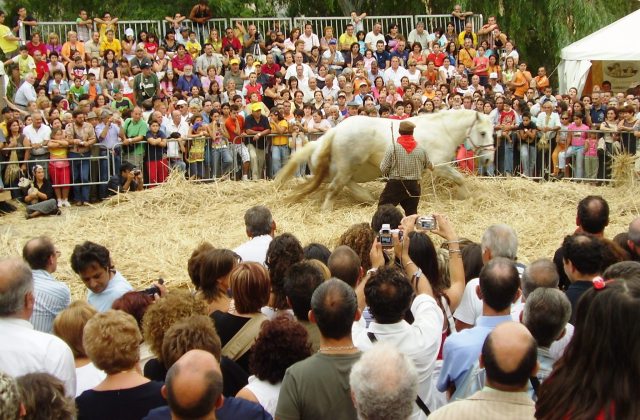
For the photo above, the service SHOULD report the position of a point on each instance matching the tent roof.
(613, 42)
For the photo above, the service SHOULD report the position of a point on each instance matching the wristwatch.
(372, 271)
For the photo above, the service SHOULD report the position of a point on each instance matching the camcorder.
(426, 223)
(153, 290)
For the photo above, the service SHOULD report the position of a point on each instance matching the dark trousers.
(406, 193)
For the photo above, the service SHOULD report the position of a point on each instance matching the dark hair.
(519, 376)
(89, 253)
(214, 265)
(133, 303)
(126, 166)
(388, 294)
(387, 213)
(471, 260)
(258, 219)
(284, 251)
(625, 270)
(316, 251)
(499, 283)
(423, 253)
(250, 287)
(345, 264)
(195, 260)
(593, 214)
(584, 251)
(301, 280)
(334, 305)
(601, 362)
(37, 252)
(282, 342)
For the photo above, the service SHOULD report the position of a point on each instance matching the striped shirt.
(397, 163)
(51, 297)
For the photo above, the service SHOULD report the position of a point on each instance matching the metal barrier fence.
(406, 23)
(433, 22)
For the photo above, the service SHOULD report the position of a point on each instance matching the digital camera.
(426, 223)
(384, 236)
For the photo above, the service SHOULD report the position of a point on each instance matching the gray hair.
(16, 281)
(540, 273)
(634, 231)
(501, 240)
(258, 221)
(9, 398)
(546, 313)
(384, 383)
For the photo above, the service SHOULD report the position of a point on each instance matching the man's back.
(489, 404)
(51, 297)
(318, 388)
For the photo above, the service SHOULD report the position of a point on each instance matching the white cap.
(128, 32)
(493, 75)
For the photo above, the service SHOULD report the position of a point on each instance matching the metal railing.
(406, 23)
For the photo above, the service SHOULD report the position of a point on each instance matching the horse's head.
(481, 138)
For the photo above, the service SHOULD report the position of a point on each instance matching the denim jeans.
(80, 170)
(578, 152)
(279, 158)
(507, 144)
(528, 154)
(220, 161)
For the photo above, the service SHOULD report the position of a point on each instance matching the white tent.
(614, 42)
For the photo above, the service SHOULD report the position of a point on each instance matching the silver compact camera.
(427, 223)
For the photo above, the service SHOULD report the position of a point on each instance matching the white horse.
(352, 151)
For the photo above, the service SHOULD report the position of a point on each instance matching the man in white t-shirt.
(38, 135)
(260, 227)
(310, 39)
(372, 38)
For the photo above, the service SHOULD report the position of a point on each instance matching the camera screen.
(385, 239)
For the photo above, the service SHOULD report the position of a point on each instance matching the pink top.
(578, 135)
(591, 147)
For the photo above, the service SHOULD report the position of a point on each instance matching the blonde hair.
(70, 323)
(112, 341)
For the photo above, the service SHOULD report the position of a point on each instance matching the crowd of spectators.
(240, 102)
(272, 329)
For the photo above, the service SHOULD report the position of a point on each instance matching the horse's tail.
(321, 170)
(296, 159)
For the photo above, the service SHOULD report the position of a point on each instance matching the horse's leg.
(333, 190)
(360, 193)
(449, 172)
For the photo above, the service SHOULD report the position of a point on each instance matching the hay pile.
(152, 233)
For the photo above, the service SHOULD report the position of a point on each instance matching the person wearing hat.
(352, 109)
(257, 126)
(234, 72)
(120, 102)
(146, 84)
(140, 57)
(335, 59)
(403, 162)
(493, 82)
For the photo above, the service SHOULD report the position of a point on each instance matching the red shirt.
(179, 63)
(438, 60)
(235, 43)
(271, 69)
(151, 48)
(33, 48)
(42, 68)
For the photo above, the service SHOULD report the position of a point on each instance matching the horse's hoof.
(461, 194)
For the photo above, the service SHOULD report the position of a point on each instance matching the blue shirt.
(186, 85)
(117, 287)
(51, 298)
(461, 350)
(232, 409)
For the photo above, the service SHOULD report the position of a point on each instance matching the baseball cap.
(181, 102)
(140, 47)
(183, 28)
(234, 61)
(145, 64)
(493, 75)
(333, 41)
(256, 107)
(128, 32)
(116, 90)
(91, 115)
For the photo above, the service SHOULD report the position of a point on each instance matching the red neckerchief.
(408, 142)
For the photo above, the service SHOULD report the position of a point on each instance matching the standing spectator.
(135, 130)
(258, 127)
(69, 326)
(383, 383)
(318, 387)
(81, 136)
(23, 23)
(8, 41)
(200, 14)
(23, 349)
(51, 296)
(84, 24)
(43, 397)
(508, 356)
(37, 136)
(108, 135)
(92, 263)
(112, 340)
(146, 85)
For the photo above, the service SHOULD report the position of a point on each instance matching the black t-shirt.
(116, 184)
(227, 326)
(123, 404)
(250, 123)
(154, 153)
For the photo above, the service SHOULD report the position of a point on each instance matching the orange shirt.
(235, 128)
(519, 78)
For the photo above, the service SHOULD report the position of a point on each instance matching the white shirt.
(117, 287)
(26, 93)
(51, 298)
(24, 350)
(254, 250)
(470, 308)
(38, 136)
(422, 38)
(372, 39)
(395, 75)
(306, 71)
(310, 41)
(88, 377)
(332, 91)
(266, 393)
(419, 341)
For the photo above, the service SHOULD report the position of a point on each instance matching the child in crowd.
(577, 138)
(157, 165)
(59, 167)
(591, 156)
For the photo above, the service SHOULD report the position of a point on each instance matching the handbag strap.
(242, 341)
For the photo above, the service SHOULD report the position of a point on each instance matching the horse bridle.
(476, 148)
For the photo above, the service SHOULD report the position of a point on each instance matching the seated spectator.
(23, 349)
(509, 359)
(260, 228)
(40, 196)
(43, 397)
(136, 305)
(112, 340)
(130, 179)
(546, 314)
(383, 383)
(630, 240)
(281, 336)
(51, 296)
(175, 306)
(602, 394)
(283, 251)
(92, 262)
(215, 268)
(239, 327)
(69, 326)
(324, 391)
(301, 280)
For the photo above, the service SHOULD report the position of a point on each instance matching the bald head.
(509, 356)
(193, 387)
(344, 264)
(37, 252)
